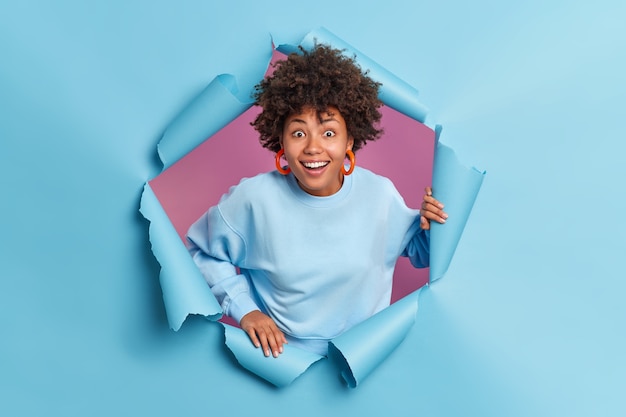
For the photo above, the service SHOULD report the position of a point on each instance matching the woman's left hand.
(431, 209)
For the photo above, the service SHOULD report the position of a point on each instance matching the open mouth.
(315, 165)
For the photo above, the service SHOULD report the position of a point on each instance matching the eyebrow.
(328, 119)
(296, 121)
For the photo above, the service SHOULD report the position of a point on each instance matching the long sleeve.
(403, 225)
(215, 248)
(418, 248)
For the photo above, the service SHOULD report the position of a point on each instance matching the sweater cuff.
(240, 306)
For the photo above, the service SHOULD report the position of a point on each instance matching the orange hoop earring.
(279, 167)
(350, 155)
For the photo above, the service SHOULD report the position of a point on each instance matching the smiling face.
(315, 147)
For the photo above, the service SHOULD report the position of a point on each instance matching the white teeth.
(314, 164)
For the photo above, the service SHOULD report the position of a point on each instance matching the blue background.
(528, 321)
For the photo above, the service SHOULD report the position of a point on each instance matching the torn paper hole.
(194, 180)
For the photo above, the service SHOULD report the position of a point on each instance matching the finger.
(433, 212)
(432, 200)
(253, 338)
(424, 223)
(274, 340)
(264, 342)
(428, 197)
(429, 210)
(273, 345)
(280, 339)
(436, 215)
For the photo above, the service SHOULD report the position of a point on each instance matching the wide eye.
(298, 134)
(329, 134)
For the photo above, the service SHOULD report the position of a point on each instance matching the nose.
(313, 145)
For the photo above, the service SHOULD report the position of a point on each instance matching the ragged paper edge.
(394, 92)
(457, 186)
(215, 107)
(185, 292)
(184, 289)
(356, 353)
(359, 351)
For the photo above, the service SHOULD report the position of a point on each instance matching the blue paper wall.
(529, 319)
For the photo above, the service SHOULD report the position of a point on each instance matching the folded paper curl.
(457, 186)
(361, 349)
(184, 289)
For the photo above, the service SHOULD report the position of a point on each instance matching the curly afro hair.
(318, 78)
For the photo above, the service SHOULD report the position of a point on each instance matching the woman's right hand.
(263, 332)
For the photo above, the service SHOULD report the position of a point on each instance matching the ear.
(350, 143)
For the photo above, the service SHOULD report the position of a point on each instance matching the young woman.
(301, 254)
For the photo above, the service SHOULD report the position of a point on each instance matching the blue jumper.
(316, 265)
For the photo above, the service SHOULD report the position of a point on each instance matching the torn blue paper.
(457, 187)
(280, 371)
(185, 291)
(211, 110)
(359, 351)
(394, 92)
